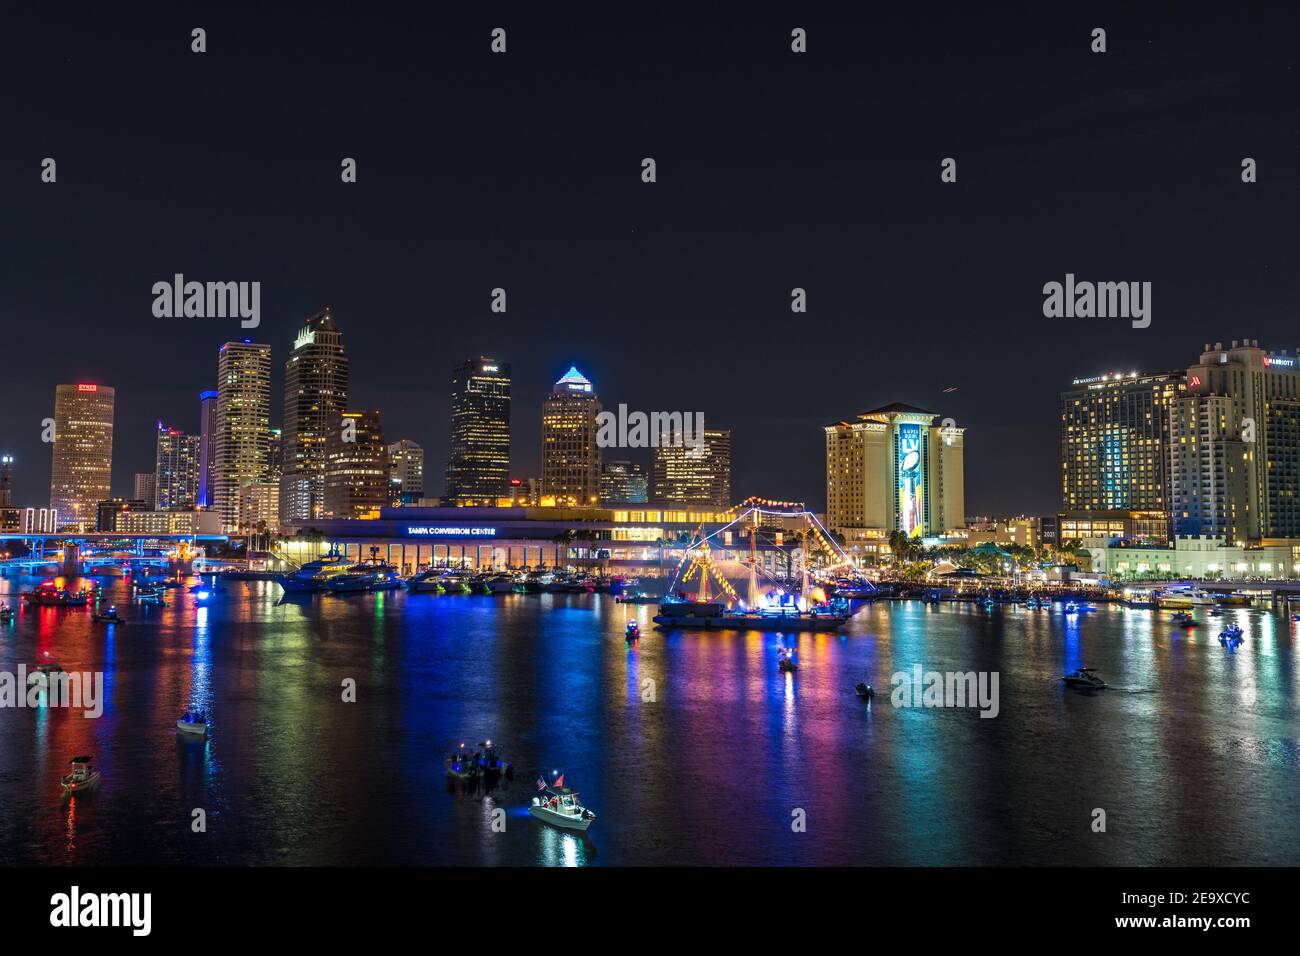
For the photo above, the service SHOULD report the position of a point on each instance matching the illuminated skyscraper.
(176, 472)
(623, 483)
(83, 453)
(243, 423)
(695, 475)
(405, 473)
(894, 469)
(1115, 480)
(570, 455)
(10, 517)
(207, 447)
(315, 395)
(356, 468)
(478, 471)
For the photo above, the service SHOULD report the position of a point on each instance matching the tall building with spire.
(243, 423)
(83, 453)
(570, 455)
(478, 471)
(315, 397)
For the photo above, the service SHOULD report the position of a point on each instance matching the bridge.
(91, 550)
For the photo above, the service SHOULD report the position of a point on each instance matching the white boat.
(560, 807)
(194, 722)
(1185, 599)
(501, 583)
(81, 778)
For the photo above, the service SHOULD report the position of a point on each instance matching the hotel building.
(356, 468)
(1115, 464)
(570, 455)
(893, 469)
(82, 453)
(478, 469)
(176, 470)
(695, 476)
(405, 473)
(243, 424)
(315, 395)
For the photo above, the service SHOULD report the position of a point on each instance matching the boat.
(1183, 619)
(639, 597)
(1085, 678)
(51, 595)
(1073, 607)
(107, 617)
(864, 691)
(711, 615)
(1236, 599)
(47, 668)
(1231, 636)
(1140, 598)
(82, 777)
(1184, 598)
(501, 583)
(454, 583)
(424, 582)
(461, 764)
(6, 613)
(314, 575)
(785, 661)
(478, 584)
(560, 806)
(194, 722)
(633, 630)
(492, 764)
(537, 582)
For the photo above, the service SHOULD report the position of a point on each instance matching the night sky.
(522, 170)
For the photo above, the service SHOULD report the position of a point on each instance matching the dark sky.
(775, 170)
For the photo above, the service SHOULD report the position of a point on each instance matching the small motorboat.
(107, 617)
(194, 722)
(81, 778)
(560, 806)
(6, 613)
(639, 597)
(1231, 636)
(461, 764)
(492, 764)
(1032, 604)
(864, 691)
(46, 667)
(1184, 619)
(633, 630)
(786, 662)
(1084, 677)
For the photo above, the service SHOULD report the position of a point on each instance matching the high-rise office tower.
(144, 487)
(623, 483)
(315, 396)
(478, 471)
(1235, 448)
(570, 455)
(356, 468)
(176, 470)
(694, 475)
(10, 517)
(83, 453)
(1115, 455)
(243, 423)
(894, 469)
(207, 447)
(405, 473)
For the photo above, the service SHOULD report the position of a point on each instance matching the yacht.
(1084, 677)
(560, 806)
(501, 583)
(314, 575)
(50, 594)
(1184, 599)
(538, 581)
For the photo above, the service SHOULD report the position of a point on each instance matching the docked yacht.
(1184, 599)
(560, 806)
(538, 581)
(501, 583)
(314, 575)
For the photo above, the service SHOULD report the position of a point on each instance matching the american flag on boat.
(541, 784)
